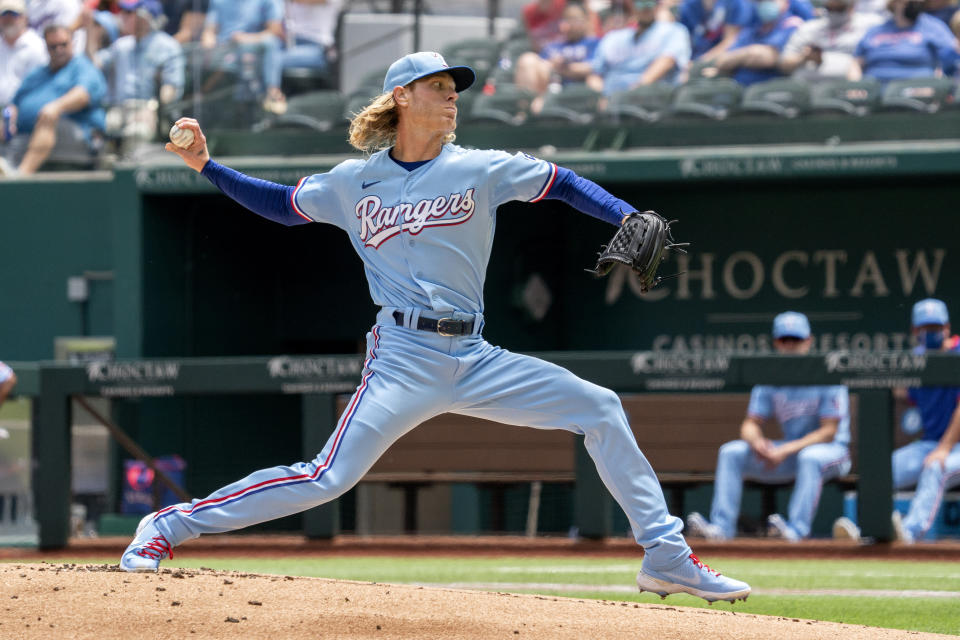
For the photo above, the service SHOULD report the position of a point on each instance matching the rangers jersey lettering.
(424, 235)
(379, 223)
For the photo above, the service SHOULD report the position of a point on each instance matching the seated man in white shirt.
(823, 48)
(21, 48)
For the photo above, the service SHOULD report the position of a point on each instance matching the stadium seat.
(514, 48)
(916, 94)
(317, 111)
(296, 80)
(715, 99)
(644, 104)
(509, 105)
(372, 81)
(481, 54)
(465, 104)
(781, 97)
(355, 104)
(853, 97)
(575, 103)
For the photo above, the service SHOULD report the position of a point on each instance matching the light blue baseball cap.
(791, 324)
(424, 63)
(930, 311)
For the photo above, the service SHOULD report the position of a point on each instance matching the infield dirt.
(99, 601)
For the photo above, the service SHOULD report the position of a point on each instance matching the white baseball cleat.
(693, 577)
(844, 529)
(900, 532)
(700, 527)
(777, 527)
(147, 549)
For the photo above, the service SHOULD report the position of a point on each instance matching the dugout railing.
(319, 380)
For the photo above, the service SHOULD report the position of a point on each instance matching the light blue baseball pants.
(410, 376)
(931, 481)
(809, 469)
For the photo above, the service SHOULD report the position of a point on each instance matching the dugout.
(851, 234)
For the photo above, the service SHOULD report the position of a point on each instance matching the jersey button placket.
(405, 240)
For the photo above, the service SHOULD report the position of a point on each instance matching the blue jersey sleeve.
(588, 197)
(518, 177)
(943, 43)
(761, 402)
(317, 197)
(268, 199)
(739, 13)
(834, 403)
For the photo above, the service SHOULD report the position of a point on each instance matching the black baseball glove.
(639, 243)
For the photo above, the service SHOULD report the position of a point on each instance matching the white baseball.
(183, 138)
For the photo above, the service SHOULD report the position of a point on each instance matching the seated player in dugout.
(932, 462)
(815, 421)
(420, 212)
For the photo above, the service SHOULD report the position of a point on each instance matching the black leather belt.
(444, 326)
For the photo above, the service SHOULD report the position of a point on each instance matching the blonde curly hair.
(375, 127)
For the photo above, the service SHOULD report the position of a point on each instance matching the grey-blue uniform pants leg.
(411, 376)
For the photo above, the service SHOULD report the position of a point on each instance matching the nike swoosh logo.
(367, 185)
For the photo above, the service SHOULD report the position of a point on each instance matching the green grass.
(611, 579)
(15, 409)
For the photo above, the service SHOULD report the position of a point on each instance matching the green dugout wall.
(851, 234)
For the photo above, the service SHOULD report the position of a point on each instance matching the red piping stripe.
(293, 201)
(344, 421)
(546, 190)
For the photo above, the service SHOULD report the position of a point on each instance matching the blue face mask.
(768, 10)
(932, 339)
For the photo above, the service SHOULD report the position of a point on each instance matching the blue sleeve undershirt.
(268, 199)
(588, 197)
(273, 201)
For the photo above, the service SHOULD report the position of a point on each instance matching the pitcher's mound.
(100, 602)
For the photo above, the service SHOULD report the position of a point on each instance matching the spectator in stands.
(714, 25)
(555, 65)
(57, 108)
(144, 69)
(542, 20)
(21, 48)
(145, 63)
(911, 44)
(245, 30)
(815, 421)
(95, 30)
(823, 48)
(654, 51)
(311, 27)
(755, 55)
(932, 463)
(618, 15)
(802, 9)
(8, 380)
(42, 13)
(185, 19)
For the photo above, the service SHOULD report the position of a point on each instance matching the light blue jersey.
(799, 410)
(424, 235)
